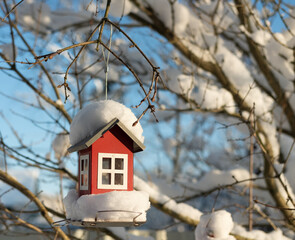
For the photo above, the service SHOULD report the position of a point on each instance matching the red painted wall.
(113, 141)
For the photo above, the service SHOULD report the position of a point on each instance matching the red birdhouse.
(106, 159)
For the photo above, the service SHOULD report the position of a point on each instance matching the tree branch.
(6, 178)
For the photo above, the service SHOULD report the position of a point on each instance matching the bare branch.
(14, 183)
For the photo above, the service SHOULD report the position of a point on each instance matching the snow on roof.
(96, 115)
(87, 142)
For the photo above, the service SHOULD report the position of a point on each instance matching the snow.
(179, 83)
(118, 205)
(280, 57)
(216, 178)
(35, 11)
(241, 77)
(60, 145)
(258, 234)
(12, 197)
(179, 208)
(261, 37)
(97, 114)
(7, 51)
(119, 8)
(290, 20)
(31, 12)
(216, 225)
(98, 85)
(164, 11)
(270, 130)
(286, 195)
(59, 102)
(238, 74)
(219, 223)
(211, 97)
(291, 42)
(286, 144)
(207, 95)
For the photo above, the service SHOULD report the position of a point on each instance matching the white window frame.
(112, 171)
(85, 171)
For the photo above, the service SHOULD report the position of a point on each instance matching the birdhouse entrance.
(112, 171)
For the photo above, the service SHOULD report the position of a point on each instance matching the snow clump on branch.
(216, 225)
(60, 145)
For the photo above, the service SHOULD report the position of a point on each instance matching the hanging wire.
(106, 60)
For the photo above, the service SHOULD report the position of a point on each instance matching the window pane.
(118, 179)
(106, 163)
(106, 178)
(82, 179)
(86, 165)
(86, 180)
(119, 163)
(82, 164)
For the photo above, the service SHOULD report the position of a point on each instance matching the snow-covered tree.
(211, 82)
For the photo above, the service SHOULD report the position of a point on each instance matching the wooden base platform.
(106, 223)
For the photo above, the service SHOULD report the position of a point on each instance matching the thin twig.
(106, 13)
(252, 116)
(271, 206)
(11, 10)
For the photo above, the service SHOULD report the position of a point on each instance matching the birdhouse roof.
(88, 141)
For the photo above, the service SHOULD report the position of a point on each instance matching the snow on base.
(216, 225)
(111, 206)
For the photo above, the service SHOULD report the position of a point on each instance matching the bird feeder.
(105, 195)
(106, 159)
